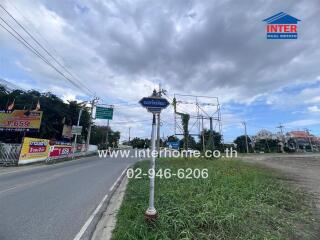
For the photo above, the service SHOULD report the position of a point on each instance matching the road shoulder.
(109, 218)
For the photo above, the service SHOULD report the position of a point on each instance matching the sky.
(121, 50)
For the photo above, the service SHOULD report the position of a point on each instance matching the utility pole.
(203, 143)
(246, 135)
(310, 142)
(211, 134)
(93, 102)
(281, 127)
(129, 135)
(76, 135)
(282, 137)
(107, 134)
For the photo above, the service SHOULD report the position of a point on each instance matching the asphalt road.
(53, 202)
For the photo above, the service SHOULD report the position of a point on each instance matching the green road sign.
(104, 113)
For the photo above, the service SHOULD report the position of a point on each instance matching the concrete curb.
(107, 223)
(90, 227)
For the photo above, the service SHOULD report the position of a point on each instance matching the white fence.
(9, 154)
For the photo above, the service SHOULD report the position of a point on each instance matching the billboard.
(20, 120)
(67, 131)
(60, 149)
(34, 150)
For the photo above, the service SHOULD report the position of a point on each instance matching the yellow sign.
(34, 150)
(20, 120)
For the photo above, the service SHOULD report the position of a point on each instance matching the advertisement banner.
(60, 149)
(80, 148)
(67, 131)
(34, 150)
(20, 120)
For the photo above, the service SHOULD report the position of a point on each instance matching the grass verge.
(237, 201)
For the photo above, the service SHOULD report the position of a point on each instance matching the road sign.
(154, 104)
(76, 130)
(173, 145)
(104, 113)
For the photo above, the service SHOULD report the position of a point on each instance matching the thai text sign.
(34, 150)
(20, 120)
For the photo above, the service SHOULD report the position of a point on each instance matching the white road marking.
(31, 167)
(115, 183)
(88, 222)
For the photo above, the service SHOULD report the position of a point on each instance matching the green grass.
(236, 201)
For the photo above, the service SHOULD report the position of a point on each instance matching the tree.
(217, 140)
(99, 135)
(241, 144)
(267, 145)
(191, 143)
(140, 143)
(56, 113)
(172, 138)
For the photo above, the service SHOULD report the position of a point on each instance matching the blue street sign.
(173, 145)
(154, 104)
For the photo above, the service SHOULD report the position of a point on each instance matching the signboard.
(104, 113)
(34, 150)
(154, 104)
(20, 120)
(173, 145)
(77, 130)
(67, 131)
(60, 149)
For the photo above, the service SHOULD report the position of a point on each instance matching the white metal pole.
(90, 124)
(151, 212)
(75, 138)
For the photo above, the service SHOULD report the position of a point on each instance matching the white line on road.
(33, 167)
(88, 222)
(115, 183)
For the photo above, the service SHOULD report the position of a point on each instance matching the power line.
(37, 53)
(137, 121)
(34, 51)
(52, 48)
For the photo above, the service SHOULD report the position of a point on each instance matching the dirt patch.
(301, 170)
(304, 170)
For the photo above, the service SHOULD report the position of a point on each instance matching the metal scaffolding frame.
(205, 108)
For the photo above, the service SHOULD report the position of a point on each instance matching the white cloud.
(120, 50)
(314, 109)
(302, 123)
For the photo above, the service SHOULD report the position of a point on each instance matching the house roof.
(298, 134)
(281, 18)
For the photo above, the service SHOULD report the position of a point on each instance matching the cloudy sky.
(121, 50)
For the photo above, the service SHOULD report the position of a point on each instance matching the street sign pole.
(154, 104)
(151, 213)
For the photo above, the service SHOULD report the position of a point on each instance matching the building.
(302, 141)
